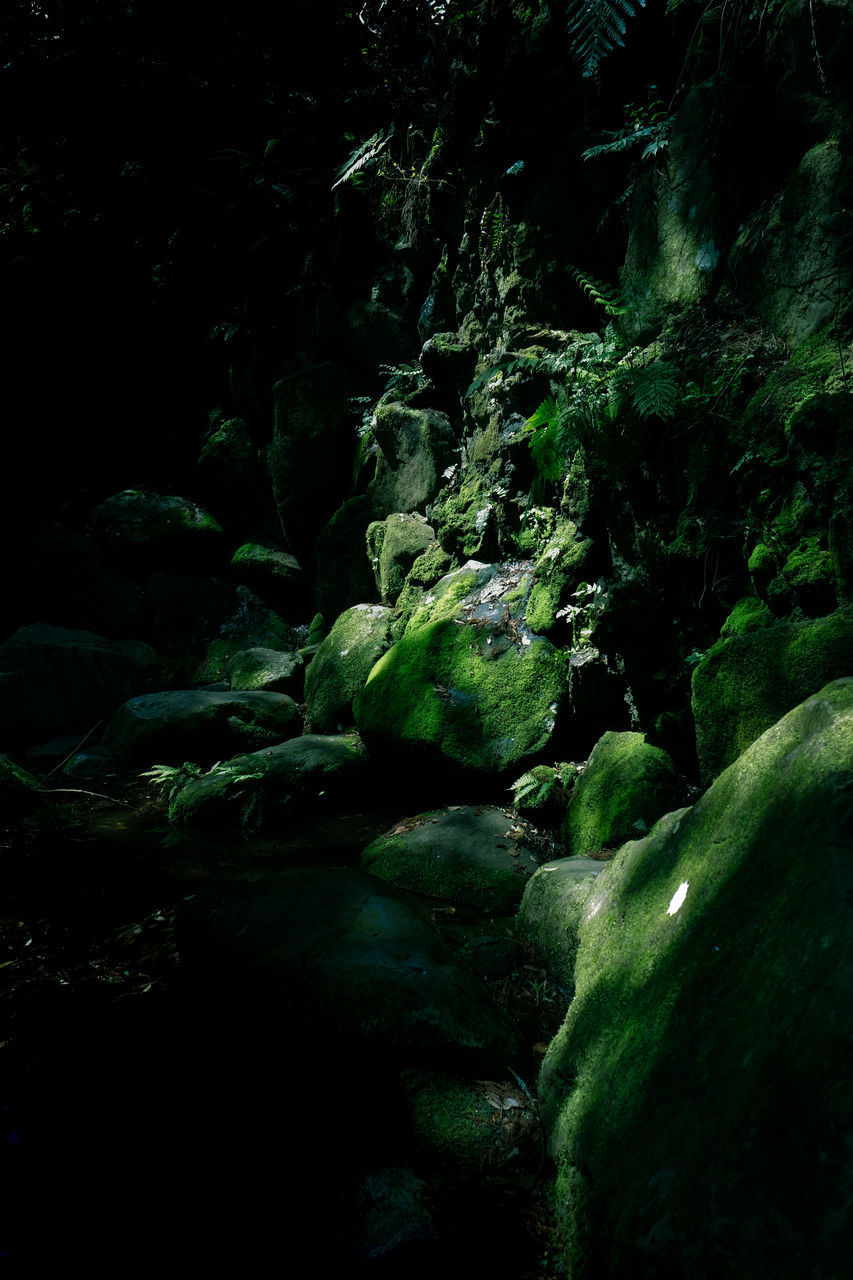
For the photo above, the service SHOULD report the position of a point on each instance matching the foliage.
(493, 230)
(169, 779)
(601, 294)
(537, 786)
(590, 599)
(596, 28)
(653, 388)
(364, 154)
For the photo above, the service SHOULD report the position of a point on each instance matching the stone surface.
(478, 856)
(415, 447)
(262, 788)
(157, 529)
(552, 909)
(196, 724)
(393, 546)
(267, 670)
(697, 1097)
(747, 682)
(341, 665)
(626, 786)
(275, 575)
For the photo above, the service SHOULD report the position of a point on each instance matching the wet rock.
(196, 724)
(477, 856)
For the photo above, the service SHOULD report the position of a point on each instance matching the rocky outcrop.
(199, 725)
(342, 664)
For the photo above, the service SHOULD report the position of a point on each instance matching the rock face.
(341, 665)
(267, 670)
(470, 695)
(481, 857)
(626, 786)
(552, 908)
(706, 1053)
(156, 528)
(197, 724)
(746, 683)
(264, 787)
(344, 954)
(54, 681)
(416, 445)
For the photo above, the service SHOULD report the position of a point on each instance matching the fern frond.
(653, 388)
(364, 154)
(595, 28)
(624, 141)
(601, 294)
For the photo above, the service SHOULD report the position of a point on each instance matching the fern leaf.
(364, 154)
(595, 28)
(601, 294)
(625, 141)
(654, 390)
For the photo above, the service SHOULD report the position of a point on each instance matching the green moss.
(744, 684)
(444, 598)
(342, 664)
(427, 570)
(713, 986)
(626, 786)
(440, 687)
(809, 565)
(749, 614)
(393, 546)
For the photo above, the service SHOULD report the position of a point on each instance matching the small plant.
(169, 779)
(537, 786)
(602, 295)
(590, 597)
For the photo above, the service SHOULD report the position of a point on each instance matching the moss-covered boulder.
(197, 724)
(267, 670)
(551, 911)
(465, 1130)
(697, 1097)
(747, 682)
(477, 856)
(561, 565)
(156, 529)
(415, 448)
(274, 575)
(263, 788)
(483, 696)
(54, 680)
(231, 477)
(626, 786)
(342, 664)
(426, 571)
(348, 962)
(393, 546)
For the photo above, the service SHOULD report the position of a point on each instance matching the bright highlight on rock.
(678, 899)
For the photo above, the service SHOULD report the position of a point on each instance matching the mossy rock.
(197, 724)
(465, 1130)
(267, 670)
(342, 664)
(428, 569)
(561, 565)
(275, 575)
(626, 786)
(265, 788)
(446, 691)
(478, 857)
(393, 546)
(232, 478)
(415, 447)
(749, 614)
(551, 911)
(144, 527)
(745, 683)
(714, 988)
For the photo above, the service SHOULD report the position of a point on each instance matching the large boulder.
(264, 787)
(273, 574)
(346, 956)
(54, 680)
(552, 908)
(481, 857)
(393, 545)
(267, 670)
(626, 786)
(482, 694)
(697, 1097)
(199, 724)
(747, 682)
(157, 529)
(341, 665)
(415, 448)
